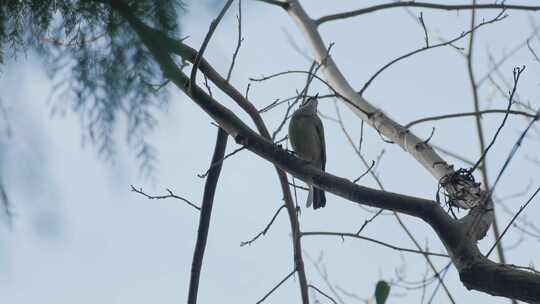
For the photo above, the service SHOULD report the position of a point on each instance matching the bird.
(306, 134)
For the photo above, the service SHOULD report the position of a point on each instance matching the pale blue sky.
(80, 235)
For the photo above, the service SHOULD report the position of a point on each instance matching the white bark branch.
(470, 195)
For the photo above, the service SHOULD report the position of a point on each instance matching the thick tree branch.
(470, 194)
(475, 270)
(502, 280)
(206, 213)
(213, 175)
(177, 47)
(425, 209)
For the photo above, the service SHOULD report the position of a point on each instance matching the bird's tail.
(319, 198)
(316, 197)
(309, 201)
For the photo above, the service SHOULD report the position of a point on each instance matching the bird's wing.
(320, 132)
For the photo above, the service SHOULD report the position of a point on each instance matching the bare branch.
(421, 20)
(265, 230)
(532, 51)
(336, 93)
(322, 293)
(206, 40)
(238, 41)
(374, 175)
(508, 55)
(497, 18)
(441, 278)
(206, 212)
(153, 38)
(321, 269)
(517, 74)
(473, 268)
(513, 220)
(365, 173)
(356, 236)
(220, 161)
(374, 8)
(276, 287)
(465, 114)
(213, 173)
(369, 220)
(170, 195)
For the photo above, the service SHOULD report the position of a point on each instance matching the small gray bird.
(306, 134)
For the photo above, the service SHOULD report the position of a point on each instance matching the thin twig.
(411, 14)
(423, 24)
(512, 221)
(238, 41)
(357, 151)
(369, 220)
(302, 95)
(207, 85)
(532, 51)
(351, 295)
(511, 155)
(355, 236)
(444, 272)
(465, 114)
(365, 173)
(206, 40)
(170, 195)
(279, 101)
(499, 17)
(220, 161)
(508, 55)
(430, 136)
(276, 287)
(517, 73)
(323, 273)
(336, 93)
(324, 294)
(265, 230)
(428, 259)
